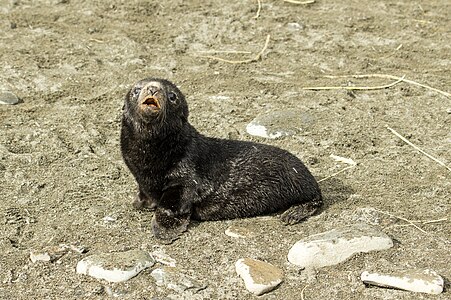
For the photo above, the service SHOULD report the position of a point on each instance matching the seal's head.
(154, 104)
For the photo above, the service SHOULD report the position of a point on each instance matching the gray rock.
(172, 279)
(421, 281)
(8, 98)
(115, 267)
(278, 124)
(335, 246)
(259, 277)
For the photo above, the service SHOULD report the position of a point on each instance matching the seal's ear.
(127, 96)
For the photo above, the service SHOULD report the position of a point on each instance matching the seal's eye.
(135, 92)
(172, 97)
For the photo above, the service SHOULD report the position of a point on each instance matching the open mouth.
(151, 102)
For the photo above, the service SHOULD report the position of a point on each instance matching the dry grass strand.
(299, 2)
(379, 87)
(258, 9)
(391, 77)
(302, 292)
(255, 58)
(417, 148)
(336, 173)
(403, 219)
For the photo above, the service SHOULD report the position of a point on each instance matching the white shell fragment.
(115, 267)
(49, 254)
(239, 232)
(161, 257)
(335, 246)
(421, 281)
(259, 277)
(345, 160)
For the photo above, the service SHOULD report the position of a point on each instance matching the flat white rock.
(8, 98)
(259, 277)
(335, 246)
(278, 124)
(421, 281)
(115, 267)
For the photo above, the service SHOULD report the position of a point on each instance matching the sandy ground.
(61, 172)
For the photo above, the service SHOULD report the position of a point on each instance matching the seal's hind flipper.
(297, 213)
(167, 227)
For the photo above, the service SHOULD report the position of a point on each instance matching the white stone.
(115, 267)
(259, 277)
(420, 281)
(335, 246)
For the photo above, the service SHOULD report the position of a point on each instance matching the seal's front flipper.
(142, 201)
(167, 227)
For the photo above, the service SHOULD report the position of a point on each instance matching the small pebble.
(259, 277)
(335, 246)
(294, 26)
(108, 219)
(8, 98)
(115, 267)
(420, 281)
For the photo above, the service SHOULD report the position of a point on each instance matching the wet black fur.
(189, 175)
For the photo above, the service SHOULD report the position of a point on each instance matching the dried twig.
(379, 87)
(299, 2)
(394, 78)
(259, 9)
(417, 148)
(403, 219)
(256, 58)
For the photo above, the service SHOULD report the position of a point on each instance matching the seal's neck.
(158, 149)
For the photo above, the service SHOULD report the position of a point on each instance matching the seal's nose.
(152, 90)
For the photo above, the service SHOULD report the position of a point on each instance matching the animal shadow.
(334, 191)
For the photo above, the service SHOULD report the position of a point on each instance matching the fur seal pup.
(185, 175)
